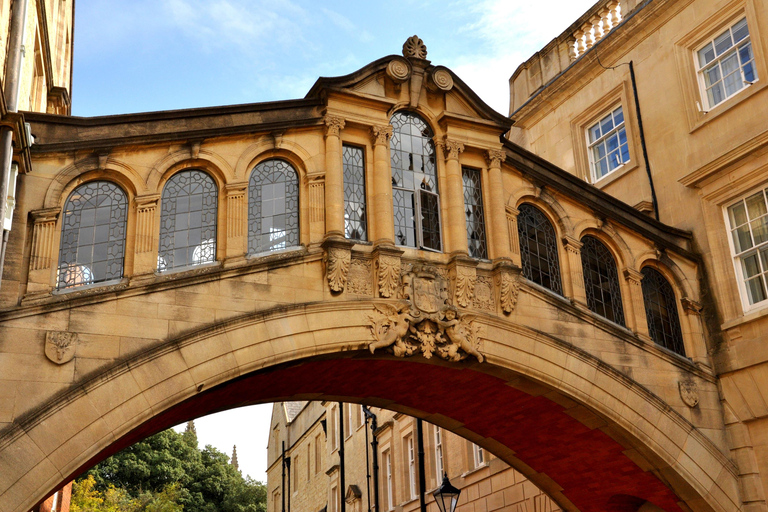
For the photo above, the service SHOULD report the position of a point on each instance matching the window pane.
(733, 83)
(618, 116)
(706, 55)
(745, 53)
(661, 311)
(92, 235)
(473, 209)
(756, 205)
(715, 94)
(430, 221)
(712, 75)
(601, 280)
(594, 133)
(740, 30)
(738, 214)
(538, 248)
(742, 239)
(756, 290)
(273, 207)
(355, 222)
(751, 265)
(723, 42)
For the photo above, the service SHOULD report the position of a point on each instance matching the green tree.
(168, 470)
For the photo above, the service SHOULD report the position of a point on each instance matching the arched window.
(538, 248)
(415, 198)
(273, 207)
(601, 280)
(92, 235)
(661, 311)
(188, 221)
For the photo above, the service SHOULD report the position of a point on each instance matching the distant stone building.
(305, 464)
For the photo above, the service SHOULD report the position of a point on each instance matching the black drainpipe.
(342, 483)
(422, 476)
(642, 141)
(375, 450)
(282, 487)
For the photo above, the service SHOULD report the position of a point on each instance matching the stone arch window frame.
(618, 262)
(83, 180)
(678, 302)
(301, 179)
(435, 140)
(555, 225)
(219, 182)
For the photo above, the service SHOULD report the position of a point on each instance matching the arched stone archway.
(576, 427)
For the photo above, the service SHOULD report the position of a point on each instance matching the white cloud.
(348, 26)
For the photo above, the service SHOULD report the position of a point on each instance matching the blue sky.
(146, 55)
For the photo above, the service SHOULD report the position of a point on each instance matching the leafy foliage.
(168, 473)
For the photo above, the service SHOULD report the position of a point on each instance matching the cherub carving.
(392, 327)
(458, 331)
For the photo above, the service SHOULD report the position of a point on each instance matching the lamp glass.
(446, 496)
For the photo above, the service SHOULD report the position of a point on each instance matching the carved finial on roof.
(414, 47)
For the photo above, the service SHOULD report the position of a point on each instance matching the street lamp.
(446, 496)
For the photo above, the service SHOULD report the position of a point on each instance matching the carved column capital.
(146, 202)
(380, 134)
(633, 276)
(333, 125)
(452, 148)
(45, 215)
(572, 245)
(494, 157)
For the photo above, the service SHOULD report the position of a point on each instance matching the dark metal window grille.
(92, 235)
(417, 215)
(661, 311)
(473, 209)
(538, 248)
(601, 280)
(188, 221)
(355, 218)
(273, 207)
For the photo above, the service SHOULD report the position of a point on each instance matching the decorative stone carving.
(689, 392)
(494, 157)
(452, 149)
(337, 260)
(317, 200)
(398, 70)
(440, 79)
(483, 293)
(414, 47)
(43, 234)
(425, 321)
(464, 285)
(508, 290)
(690, 306)
(60, 346)
(359, 279)
(333, 125)
(633, 276)
(514, 244)
(388, 270)
(380, 135)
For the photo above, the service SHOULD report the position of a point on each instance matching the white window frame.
(718, 59)
(738, 256)
(478, 454)
(334, 429)
(411, 453)
(387, 456)
(592, 145)
(439, 461)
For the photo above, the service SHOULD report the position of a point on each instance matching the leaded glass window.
(538, 248)
(415, 198)
(188, 221)
(355, 219)
(473, 209)
(748, 220)
(273, 207)
(92, 235)
(601, 280)
(661, 311)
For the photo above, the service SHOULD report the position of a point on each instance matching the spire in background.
(234, 458)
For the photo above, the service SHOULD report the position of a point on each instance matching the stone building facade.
(688, 79)
(312, 438)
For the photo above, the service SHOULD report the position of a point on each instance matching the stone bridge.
(390, 294)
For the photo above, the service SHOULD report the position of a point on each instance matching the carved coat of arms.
(425, 321)
(60, 346)
(689, 392)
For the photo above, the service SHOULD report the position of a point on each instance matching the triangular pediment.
(412, 80)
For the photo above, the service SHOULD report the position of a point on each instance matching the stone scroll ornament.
(508, 290)
(60, 346)
(337, 263)
(425, 322)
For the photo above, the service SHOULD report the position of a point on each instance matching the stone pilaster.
(237, 215)
(455, 224)
(500, 233)
(635, 314)
(146, 241)
(42, 257)
(334, 177)
(511, 213)
(573, 275)
(693, 331)
(383, 229)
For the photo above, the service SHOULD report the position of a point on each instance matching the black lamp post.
(446, 496)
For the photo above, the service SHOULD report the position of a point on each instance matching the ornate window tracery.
(473, 209)
(601, 280)
(538, 248)
(273, 207)
(355, 215)
(188, 221)
(661, 311)
(92, 235)
(416, 203)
